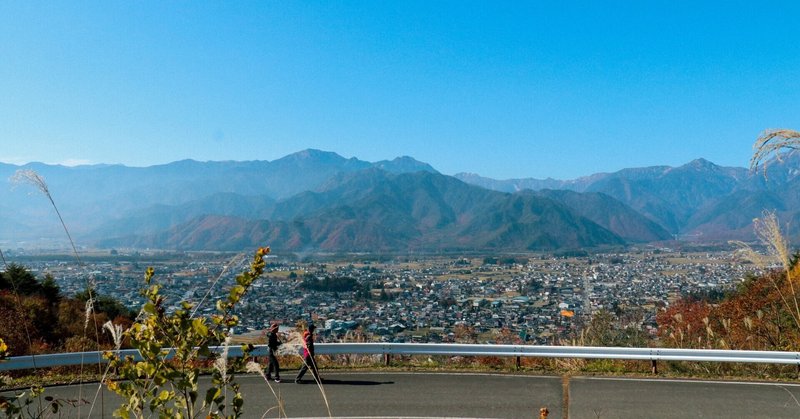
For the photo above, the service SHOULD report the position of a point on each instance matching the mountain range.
(316, 201)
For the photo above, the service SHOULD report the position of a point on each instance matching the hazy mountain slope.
(321, 200)
(377, 211)
(306, 170)
(529, 222)
(90, 197)
(342, 187)
(610, 214)
(731, 217)
(404, 164)
(161, 217)
(514, 185)
(669, 196)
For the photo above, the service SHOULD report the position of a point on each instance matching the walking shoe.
(277, 380)
(297, 381)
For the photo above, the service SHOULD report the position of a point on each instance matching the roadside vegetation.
(170, 388)
(763, 313)
(54, 322)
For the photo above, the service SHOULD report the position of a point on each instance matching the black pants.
(308, 362)
(273, 366)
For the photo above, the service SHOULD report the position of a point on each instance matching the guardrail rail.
(388, 349)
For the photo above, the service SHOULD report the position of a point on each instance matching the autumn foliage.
(37, 318)
(758, 316)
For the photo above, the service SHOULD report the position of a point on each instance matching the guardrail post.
(519, 363)
(387, 359)
(654, 366)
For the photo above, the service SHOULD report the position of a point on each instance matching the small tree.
(602, 330)
(169, 388)
(17, 278)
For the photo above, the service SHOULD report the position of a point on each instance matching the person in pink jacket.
(308, 356)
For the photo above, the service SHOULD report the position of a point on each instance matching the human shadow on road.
(350, 382)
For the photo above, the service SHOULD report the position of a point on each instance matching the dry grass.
(235, 262)
(770, 143)
(30, 177)
(769, 233)
(256, 368)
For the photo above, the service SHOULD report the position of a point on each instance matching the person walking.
(308, 355)
(272, 344)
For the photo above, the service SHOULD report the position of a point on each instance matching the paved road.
(660, 398)
(497, 396)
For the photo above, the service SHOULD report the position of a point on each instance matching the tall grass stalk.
(255, 367)
(221, 364)
(235, 262)
(772, 142)
(31, 177)
(319, 383)
(791, 395)
(116, 331)
(769, 233)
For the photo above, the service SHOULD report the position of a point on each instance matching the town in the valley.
(533, 298)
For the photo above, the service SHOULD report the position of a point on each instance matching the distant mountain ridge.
(320, 201)
(96, 195)
(698, 200)
(374, 210)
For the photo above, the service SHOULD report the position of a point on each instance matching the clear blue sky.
(503, 89)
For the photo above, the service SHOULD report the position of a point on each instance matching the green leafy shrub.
(165, 383)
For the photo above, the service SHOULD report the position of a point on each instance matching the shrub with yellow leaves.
(155, 386)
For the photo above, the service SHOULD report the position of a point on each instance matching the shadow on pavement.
(326, 381)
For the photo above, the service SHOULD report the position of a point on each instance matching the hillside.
(699, 200)
(374, 210)
(321, 201)
(95, 199)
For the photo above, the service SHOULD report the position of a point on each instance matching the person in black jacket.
(273, 344)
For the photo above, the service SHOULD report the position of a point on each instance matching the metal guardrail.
(587, 352)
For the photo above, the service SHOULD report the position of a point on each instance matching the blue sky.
(503, 89)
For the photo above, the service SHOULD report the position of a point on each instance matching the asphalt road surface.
(357, 394)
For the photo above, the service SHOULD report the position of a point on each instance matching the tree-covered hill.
(37, 318)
